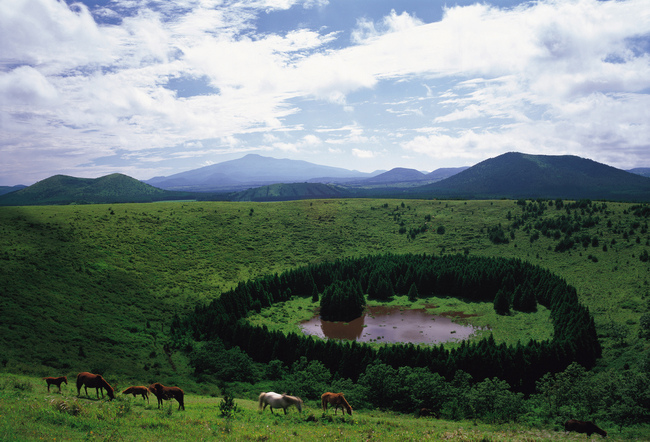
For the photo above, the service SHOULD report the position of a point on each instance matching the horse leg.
(48, 387)
(285, 410)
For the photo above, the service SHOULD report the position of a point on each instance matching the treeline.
(472, 278)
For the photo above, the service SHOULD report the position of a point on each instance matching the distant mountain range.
(512, 175)
(254, 171)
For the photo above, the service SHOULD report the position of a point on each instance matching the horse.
(275, 400)
(424, 412)
(144, 391)
(161, 392)
(336, 399)
(55, 381)
(583, 427)
(95, 381)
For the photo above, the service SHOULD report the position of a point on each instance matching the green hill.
(516, 175)
(62, 189)
(289, 192)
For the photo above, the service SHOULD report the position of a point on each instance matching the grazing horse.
(336, 399)
(424, 412)
(144, 391)
(55, 381)
(96, 381)
(161, 392)
(275, 400)
(583, 427)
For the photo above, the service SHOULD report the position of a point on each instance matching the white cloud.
(552, 76)
(362, 153)
(26, 86)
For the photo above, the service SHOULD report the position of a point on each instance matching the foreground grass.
(28, 412)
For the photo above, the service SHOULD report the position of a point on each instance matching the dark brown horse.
(424, 412)
(336, 399)
(96, 381)
(161, 392)
(55, 381)
(583, 427)
(138, 390)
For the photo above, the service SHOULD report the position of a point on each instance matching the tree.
(644, 326)
(413, 293)
(382, 384)
(492, 401)
(307, 379)
(502, 302)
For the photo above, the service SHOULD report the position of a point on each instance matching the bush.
(497, 235)
(227, 406)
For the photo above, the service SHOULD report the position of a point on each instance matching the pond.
(393, 324)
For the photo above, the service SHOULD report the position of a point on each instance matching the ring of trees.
(509, 283)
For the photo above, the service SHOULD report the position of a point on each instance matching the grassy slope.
(120, 272)
(28, 412)
(94, 287)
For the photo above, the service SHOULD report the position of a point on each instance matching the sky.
(155, 87)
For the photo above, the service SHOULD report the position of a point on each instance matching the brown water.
(390, 324)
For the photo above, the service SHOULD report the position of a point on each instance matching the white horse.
(275, 400)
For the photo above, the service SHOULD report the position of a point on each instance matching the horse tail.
(261, 399)
(80, 383)
(323, 401)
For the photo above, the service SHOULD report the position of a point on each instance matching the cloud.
(26, 86)
(552, 75)
(361, 153)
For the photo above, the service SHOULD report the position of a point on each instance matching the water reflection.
(390, 324)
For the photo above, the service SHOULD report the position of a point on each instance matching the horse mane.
(346, 404)
(293, 398)
(106, 385)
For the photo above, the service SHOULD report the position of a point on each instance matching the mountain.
(444, 172)
(396, 175)
(518, 175)
(643, 171)
(290, 191)
(63, 189)
(253, 171)
(9, 189)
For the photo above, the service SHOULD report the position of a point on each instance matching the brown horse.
(424, 412)
(55, 381)
(583, 427)
(161, 392)
(136, 390)
(96, 381)
(336, 399)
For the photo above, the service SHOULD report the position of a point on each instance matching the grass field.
(29, 413)
(94, 287)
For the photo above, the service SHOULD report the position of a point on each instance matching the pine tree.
(502, 302)
(413, 293)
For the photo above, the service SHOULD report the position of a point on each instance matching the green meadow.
(28, 412)
(95, 288)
